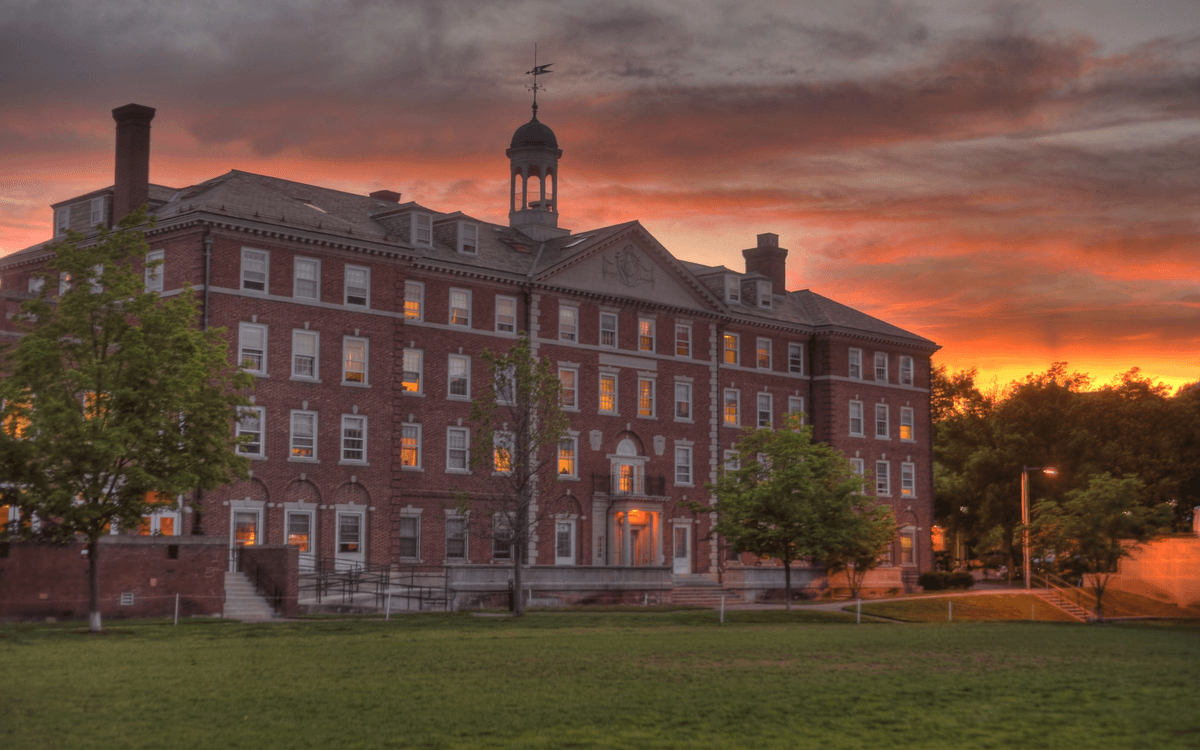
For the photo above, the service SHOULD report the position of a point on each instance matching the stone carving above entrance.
(628, 267)
(596, 436)
(660, 445)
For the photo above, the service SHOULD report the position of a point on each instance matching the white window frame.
(243, 329)
(726, 349)
(463, 434)
(683, 466)
(796, 406)
(683, 340)
(567, 525)
(350, 293)
(422, 229)
(468, 238)
(734, 396)
(154, 275)
(414, 291)
(758, 353)
(647, 383)
(36, 284)
(463, 293)
(464, 537)
(881, 367)
(906, 422)
(464, 361)
(295, 442)
(859, 467)
(609, 317)
(568, 444)
(64, 283)
(568, 330)
(348, 421)
(62, 220)
(683, 395)
(906, 371)
(415, 519)
(247, 252)
(763, 289)
(908, 479)
(366, 361)
(883, 422)
(768, 400)
(796, 359)
(315, 336)
(733, 289)
(570, 403)
(360, 538)
(731, 459)
(315, 264)
(414, 429)
(239, 429)
(856, 414)
(506, 385)
(512, 329)
(616, 405)
(883, 478)
(647, 334)
(502, 542)
(97, 214)
(311, 536)
(410, 357)
(855, 367)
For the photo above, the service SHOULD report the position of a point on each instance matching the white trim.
(251, 277)
(293, 445)
(855, 361)
(417, 289)
(861, 426)
(154, 276)
(416, 428)
(513, 325)
(346, 440)
(463, 293)
(770, 411)
(795, 358)
(735, 350)
(686, 385)
(366, 361)
(758, 352)
(468, 245)
(261, 414)
(315, 364)
(465, 377)
(616, 404)
(352, 293)
(737, 408)
(260, 331)
(465, 434)
(687, 329)
(573, 404)
(571, 335)
(882, 409)
(616, 324)
(907, 420)
(315, 264)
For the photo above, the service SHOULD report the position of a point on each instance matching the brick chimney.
(770, 260)
(131, 188)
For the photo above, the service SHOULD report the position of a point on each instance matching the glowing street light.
(1049, 471)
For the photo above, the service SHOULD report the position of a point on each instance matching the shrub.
(960, 579)
(932, 580)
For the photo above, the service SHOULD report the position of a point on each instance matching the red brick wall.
(281, 564)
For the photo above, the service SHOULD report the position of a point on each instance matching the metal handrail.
(263, 582)
(1069, 591)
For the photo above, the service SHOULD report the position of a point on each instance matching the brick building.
(364, 317)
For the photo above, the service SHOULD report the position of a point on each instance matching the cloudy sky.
(1018, 181)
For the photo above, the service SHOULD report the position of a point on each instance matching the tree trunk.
(518, 567)
(787, 583)
(93, 587)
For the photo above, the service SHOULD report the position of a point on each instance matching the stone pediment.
(627, 269)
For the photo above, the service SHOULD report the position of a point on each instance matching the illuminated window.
(856, 418)
(457, 451)
(731, 348)
(460, 307)
(255, 270)
(608, 393)
(252, 348)
(349, 533)
(763, 354)
(304, 436)
(354, 439)
(468, 237)
(299, 530)
(410, 378)
(796, 359)
(568, 323)
(459, 386)
(410, 446)
(608, 330)
(456, 538)
(683, 401)
(645, 397)
(732, 407)
(882, 428)
(410, 537)
(906, 371)
(154, 271)
(566, 456)
(414, 300)
(883, 478)
(856, 364)
(502, 452)
(683, 464)
(306, 278)
(683, 341)
(908, 545)
(358, 286)
(646, 335)
(568, 379)
(908, 479)
(245, 528)
(506, 314)
(354, 360)
(250, 423)
(766, 407)
(906, 424)
(304, 354)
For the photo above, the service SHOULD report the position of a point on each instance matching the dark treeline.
(1132, 428)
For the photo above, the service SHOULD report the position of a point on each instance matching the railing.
(1074, 594)
(607, 484)
(346, 577)
(263, 582)
(422, 585)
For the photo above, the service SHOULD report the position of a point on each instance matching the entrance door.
(682, 559)
(564, 542)
(349, 552)
(243, 532)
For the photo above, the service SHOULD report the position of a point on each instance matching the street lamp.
(1048, 470)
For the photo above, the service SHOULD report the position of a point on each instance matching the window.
(154, 271)
(97, 278)
(733, 289)
(732, 460)
(502, 452)
(349, 533)
(64, 283)
(856, 418)
(414, 300)
(645, 397)
(906, 424)
(35, 284)
(252, 348)
(683, 341)
(645, 335)
(456, 538)
(457, 452)
(460, 307)
(732, 399)
(304, 354)
(765, 409)
(354, 438)
(608, 393)
(731, 348)
(502, 538)
(683, 401)
(304, 435)
(306, 278)
(62, 220)
(468, 238)
(410, 446)
(422, 230)
(506, 314)
(255, 264)
(358, 286)
(354, 360)
(796, 359)
(881, 374)
(883, 479)
(763, 354)
(299, 531)
(906, 371)
(908, 479)
(566, 456)
(796, 407)
(568, 323)
(683, 464)
(506, 385)
(856, 364)
(459, 377)
(569, 381)
(881, 422)
(98, 213)
(410, 537)
(763, 288)
(251, 423)
(858, 466)
(908, 545)
(564, 542)
(410, 378)
(608, 330)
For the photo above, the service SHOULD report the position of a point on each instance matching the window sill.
(354, 384)
(411, 468)
(414, 394)
(253, 456)
(684, 484)
(353, 463)
(298, 379)
(883, 438)
(458, 471)
(568, 478)
(681, 420)
(296, 460)
(609, 413)
(574, 409)
(643, 416)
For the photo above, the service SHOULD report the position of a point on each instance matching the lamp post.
(1048, 470)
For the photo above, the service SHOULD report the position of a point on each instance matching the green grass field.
(601, 680)
(985, 607)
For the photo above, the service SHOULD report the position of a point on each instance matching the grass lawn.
(1121, 603)
(606, 680)
(984, 607)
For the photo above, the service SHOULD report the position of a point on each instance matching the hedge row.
(936, 580)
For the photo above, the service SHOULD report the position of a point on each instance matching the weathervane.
(538, 70)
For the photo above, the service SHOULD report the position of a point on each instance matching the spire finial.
(538, 70)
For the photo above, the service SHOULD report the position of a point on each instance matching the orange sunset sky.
(1019, 182)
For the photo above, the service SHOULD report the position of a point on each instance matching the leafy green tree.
(114, 402)
(1096, 527)
(518, 431)
(856, 544)
(791, 498)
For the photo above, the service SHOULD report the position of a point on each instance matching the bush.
(960, 579)
(936, 580)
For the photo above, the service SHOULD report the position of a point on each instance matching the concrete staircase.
(1055, 599)
(698, 591)
(242, 602)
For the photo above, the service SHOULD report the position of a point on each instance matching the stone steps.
(1055, 599)
(242, 602)
(703, 596)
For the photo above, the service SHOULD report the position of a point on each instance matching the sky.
(1018, 181)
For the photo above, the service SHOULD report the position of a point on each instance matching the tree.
(790, 498)
(114, 401)
(857, 543)
(518, 431)
(1096, 527)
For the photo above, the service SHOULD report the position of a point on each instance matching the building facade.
(364, 318)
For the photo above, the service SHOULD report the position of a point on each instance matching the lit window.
(414, 298)
(354, 360)
(459, 376)
(732, 400)
(856, 418)
(299, 530)
(304, 354)
(796, 359)
(568, 323)
(251, 423)
(354, 438)
(683, 401)
(410, 379)
(765, 409)
(881, 421)
(906, 424)
(422, 230)
(566, 457)
(646, 335)
(410, 446)
(502, 452)
(883, 480)
(908, 545)
(468, 238)
(154, 271)
(881, 373)
(856, 364)
(731, 348)
(460, 307)
(569, 379)
(506, 314)
(683, 464)
(906, 371)
(410, 537)
(908, 479)
(763, 354)
(252, 348)
(683, 341)
(608, 330)
(304, 435)
(457, 455)
(358, 286)
(349, 533)
(608, 394)
(306, 278)
(456, 538)
(255, 265)
(645, 397)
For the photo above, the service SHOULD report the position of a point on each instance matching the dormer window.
(422, 230)
(733, 289)
(62, 220)
(764, 294)
(468, 238)
(98, 213)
